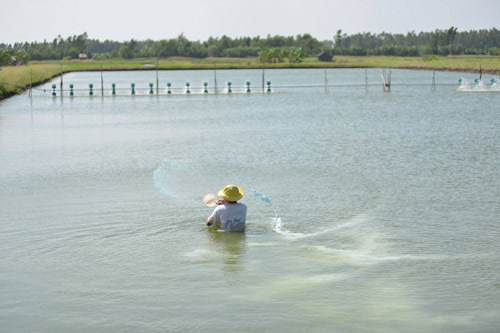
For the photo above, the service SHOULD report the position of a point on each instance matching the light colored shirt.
(231, 217)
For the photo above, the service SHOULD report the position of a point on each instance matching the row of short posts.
(169, 86)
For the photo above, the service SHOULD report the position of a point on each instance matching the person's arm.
(211, 218)
(209, 223)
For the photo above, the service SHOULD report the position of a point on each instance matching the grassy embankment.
(14, 80)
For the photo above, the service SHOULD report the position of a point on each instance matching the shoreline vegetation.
(16, 79)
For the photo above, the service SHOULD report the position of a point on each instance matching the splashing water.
(278, 223)
(478, 85)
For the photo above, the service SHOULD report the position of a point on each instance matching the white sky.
(36, 20)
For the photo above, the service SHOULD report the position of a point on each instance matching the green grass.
(14, 80)
(488, 64)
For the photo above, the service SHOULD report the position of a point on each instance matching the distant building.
(324, 56)
(82, 56)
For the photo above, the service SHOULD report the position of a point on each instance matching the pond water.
(381, 210)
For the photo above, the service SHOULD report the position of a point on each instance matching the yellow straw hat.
(231, 193)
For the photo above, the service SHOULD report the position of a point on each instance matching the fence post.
(102, 83)
(366, 79)
(215, 79)
(433, 81)
(326, 82)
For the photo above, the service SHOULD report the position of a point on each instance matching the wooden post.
(102, 83)
(366, 79)
(480, 72)
(390, 74)
(263, 78)
(215, 79)
(157, 87)
(383, 80)
(326, 83)
(386, 80)
(433, 81)
(31, 82)
(61, 80)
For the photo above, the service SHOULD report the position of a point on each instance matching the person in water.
(229, 214)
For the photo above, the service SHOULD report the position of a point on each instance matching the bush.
(430, 57)
(128, 50)
(274, 55)
(197, 51)
(241, 52)
(295, 54)
(413, 51)
(388, 50)
(73, 53)
(357, 51)
(494, 51)
(5, 57)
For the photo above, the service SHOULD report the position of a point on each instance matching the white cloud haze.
(32, 20)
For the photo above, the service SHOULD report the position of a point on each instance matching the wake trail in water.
(353, 222)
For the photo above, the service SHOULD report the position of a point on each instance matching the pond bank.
(15, 80)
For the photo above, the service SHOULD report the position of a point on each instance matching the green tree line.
(294, 48)
(438, 42)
